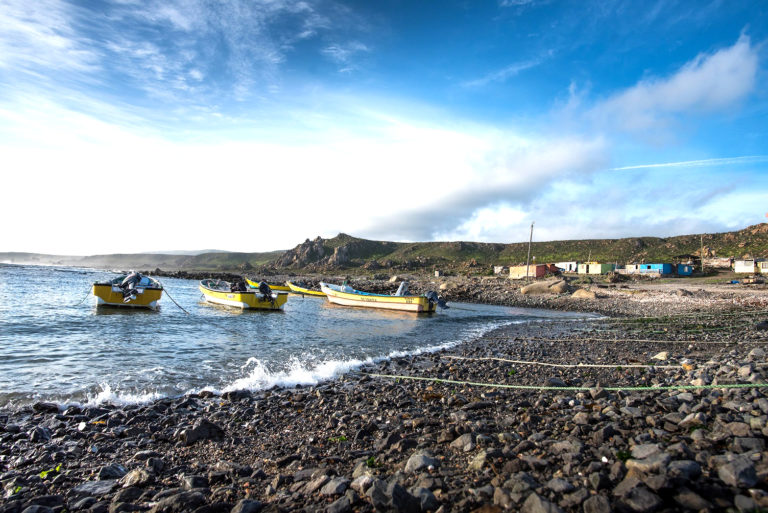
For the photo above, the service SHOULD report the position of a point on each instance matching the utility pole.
(528, 261)
(702, 253)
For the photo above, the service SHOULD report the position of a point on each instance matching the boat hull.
(273, 286)
(245, 300)
(111, 295)
(295, 289)
(416, 304)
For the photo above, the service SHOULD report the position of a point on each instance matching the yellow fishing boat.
(223, 293)
(347, 296)
(273, 286)
(296, 289)
(131, 290)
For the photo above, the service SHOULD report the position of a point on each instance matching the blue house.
(649, 269)
(684, 269)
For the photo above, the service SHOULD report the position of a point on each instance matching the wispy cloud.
(343, 54)
(504, 74)
(752, 159)
(710, 82)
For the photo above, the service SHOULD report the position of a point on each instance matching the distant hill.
(352, 253)
(345, 251)
(218, 261)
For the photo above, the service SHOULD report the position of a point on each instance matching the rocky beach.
(659, 405)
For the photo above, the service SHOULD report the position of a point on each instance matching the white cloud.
(504, 74)
(710, 82)
(39, 38)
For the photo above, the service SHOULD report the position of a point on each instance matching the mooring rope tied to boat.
(660, 388)
(171, 298)
(570, 365)
(90, 289)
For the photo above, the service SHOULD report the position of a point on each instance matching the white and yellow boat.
(220, 292)
(273, 286)
(296, 289)
(347, 296)
(130, 290)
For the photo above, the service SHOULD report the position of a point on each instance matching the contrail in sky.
(699, 163)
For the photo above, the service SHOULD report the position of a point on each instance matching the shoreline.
(363, 443)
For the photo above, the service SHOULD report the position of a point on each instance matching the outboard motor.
(266, 292)
(433, 297)
(129, 286)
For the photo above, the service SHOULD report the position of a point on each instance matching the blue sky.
(130, 126)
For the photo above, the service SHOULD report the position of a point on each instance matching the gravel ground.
(611, 434)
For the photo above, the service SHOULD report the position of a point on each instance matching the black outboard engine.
(266, 292)
(433, 297)
(129, 286)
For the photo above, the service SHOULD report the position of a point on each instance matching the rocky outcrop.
(308, 252)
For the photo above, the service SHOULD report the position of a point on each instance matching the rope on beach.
(643, 340)
(570, 365)
(575, 389)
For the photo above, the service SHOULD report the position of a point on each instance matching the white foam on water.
(107, 395)
(260, 377)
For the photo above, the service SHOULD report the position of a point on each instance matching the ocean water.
(56, 345)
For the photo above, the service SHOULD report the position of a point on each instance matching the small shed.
(595, 268)
(500, 269)
(659, 269)
(762, 267)
(520, 272)
(748, 265)
(568, 267)
(684, 269)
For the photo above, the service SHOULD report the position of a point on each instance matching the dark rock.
(341, 505)
(536, 504)
(401, 500)
(641, 500)
(202, 430)
(691, 500)
(179, 502)
(112, 471)
(426, 498)
(597, 504)
(247, 506)
(191, 482)
(95, 488)
(739, 473)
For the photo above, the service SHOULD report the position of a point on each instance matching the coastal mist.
(57, 345)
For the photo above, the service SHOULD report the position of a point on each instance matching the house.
(659, 269)
(684, 269)
(596, 268)
(748, 265)
(762, 267)
(519, 272)
(568, 267)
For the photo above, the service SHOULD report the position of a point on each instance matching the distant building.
(595, 268)
(520, 272)
(500, 269)
(684, 269)
(658, 269)
(762, 267)
(748, 265)
(568, 267)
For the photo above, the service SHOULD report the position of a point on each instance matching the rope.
(90, 288)
(169, 297)
(579, 389)
(713, 342)
(569, 365)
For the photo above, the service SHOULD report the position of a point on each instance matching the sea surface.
(57, 345)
